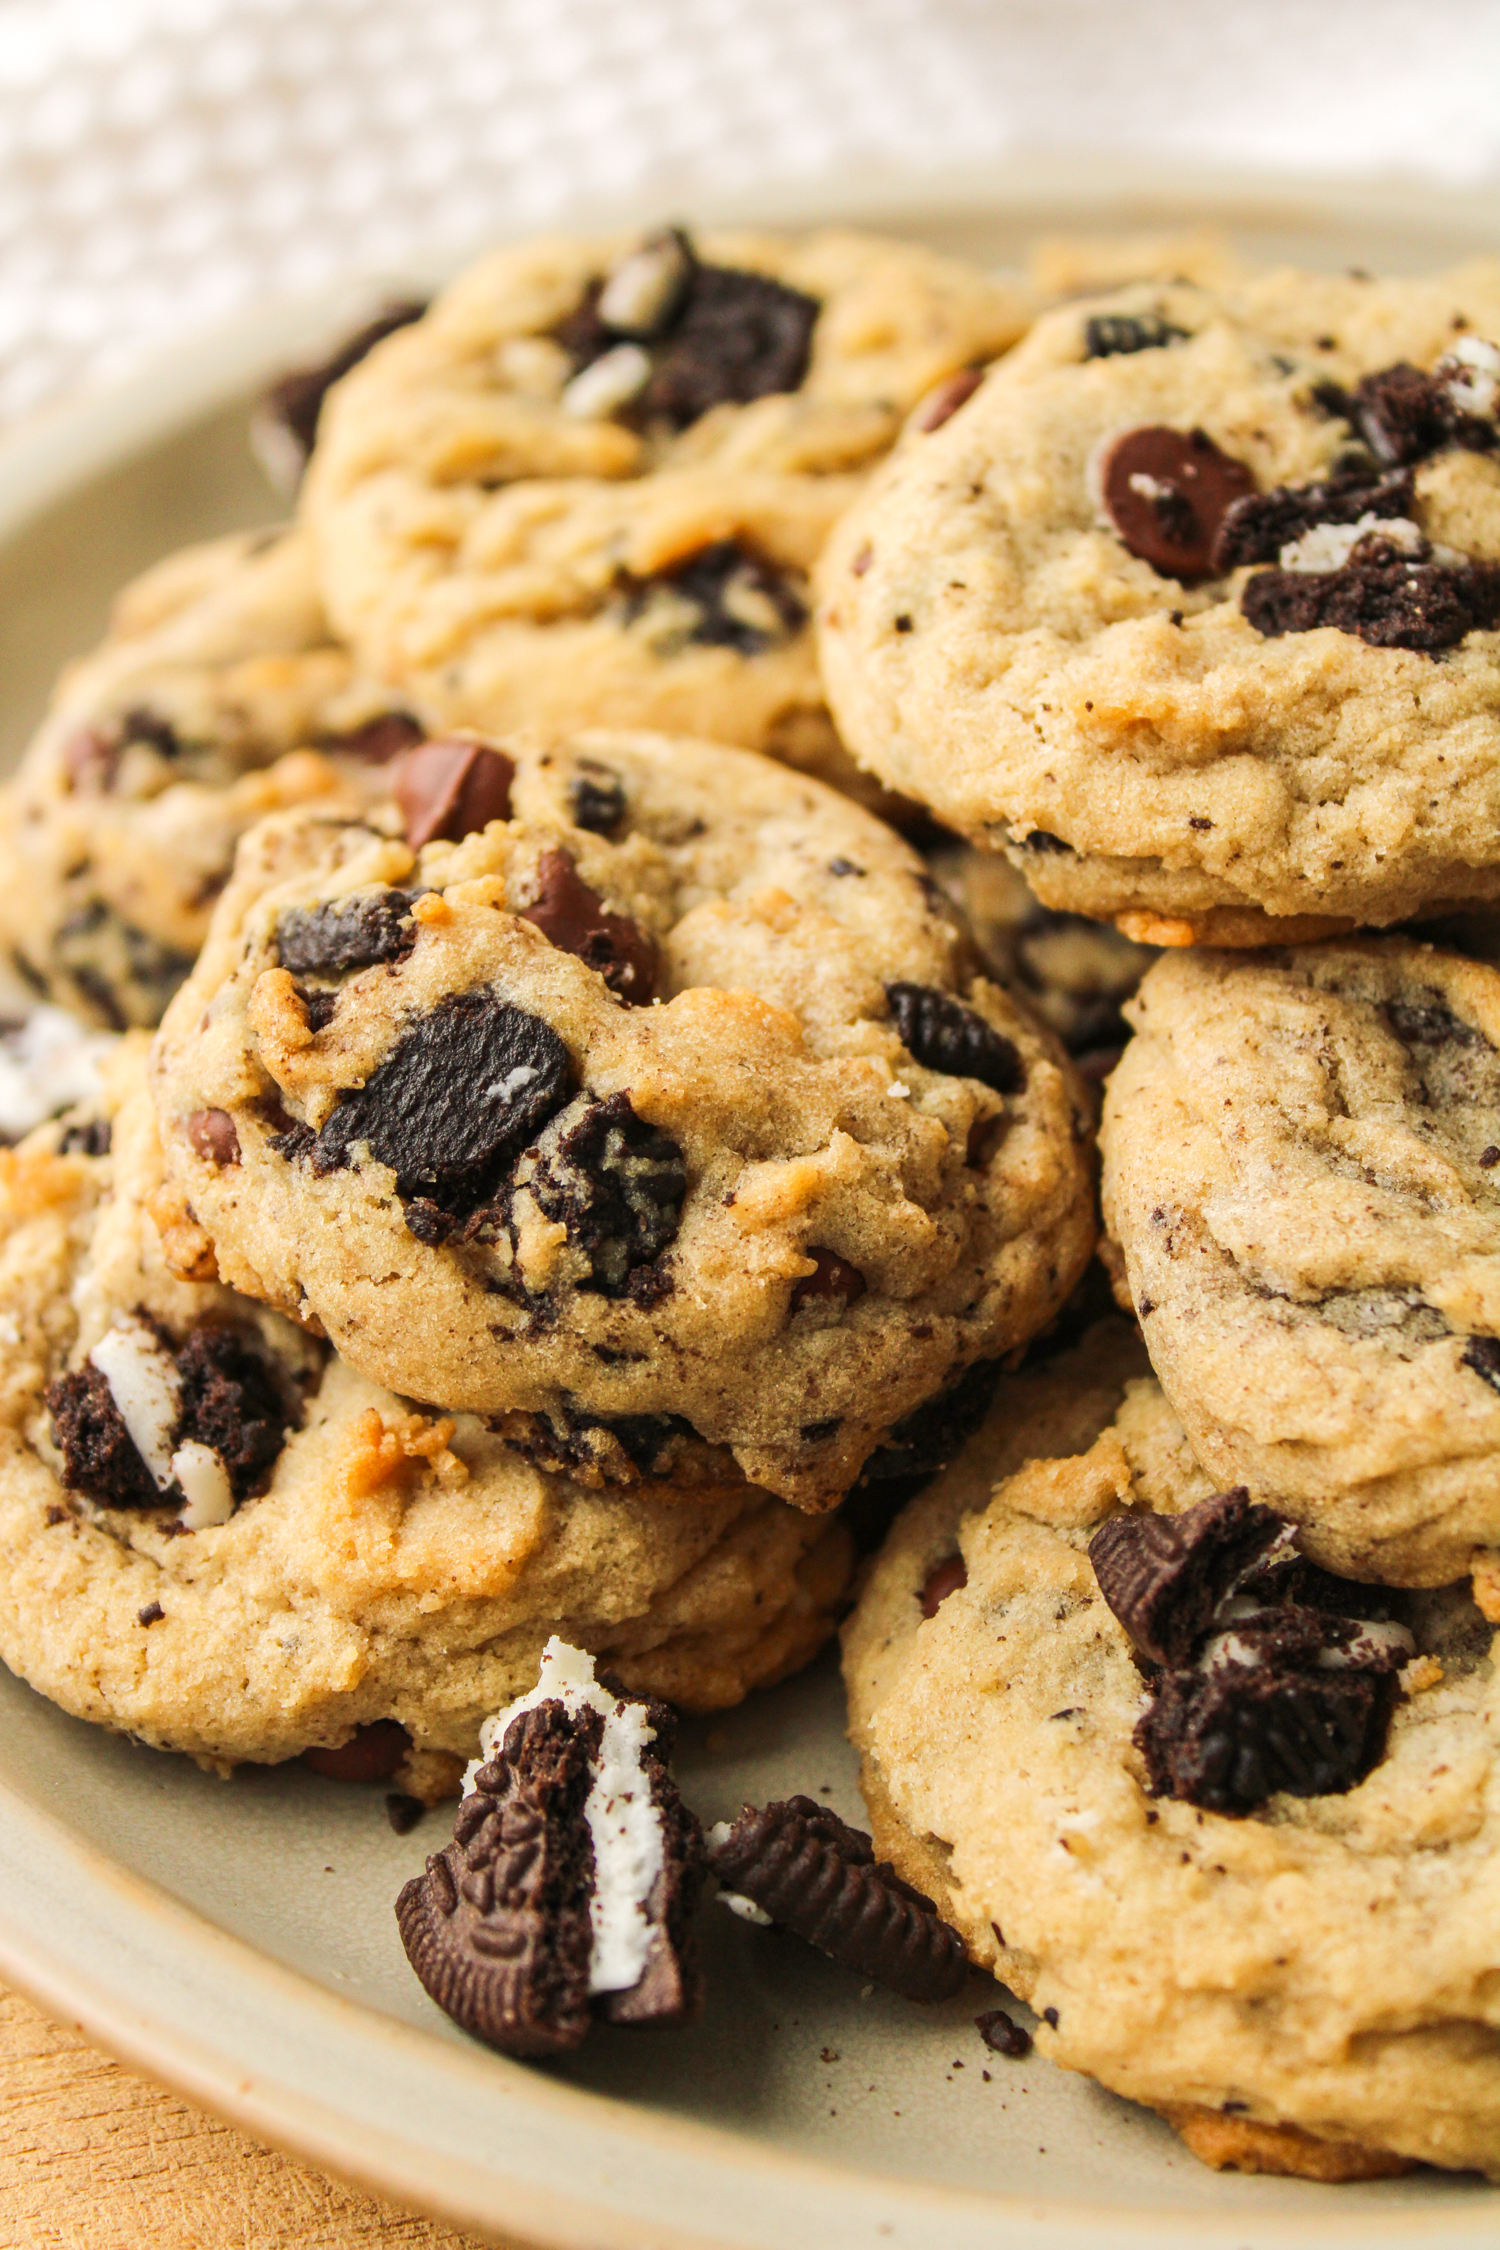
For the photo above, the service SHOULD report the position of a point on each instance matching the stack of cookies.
(638, 894)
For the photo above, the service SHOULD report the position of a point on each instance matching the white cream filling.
(624, 1824)
(207, 1496)
(46, 1064)
(736, 1901)
(147, 1393)
(1471, 377)
(607, 383)
(638, 291)
(1328, 546)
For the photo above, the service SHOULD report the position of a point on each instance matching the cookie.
(1300, 1183)
(1314, 1966)
(663, 1115)
(217, 696)
(222, 1540)
(510, 527)
(1192, 607)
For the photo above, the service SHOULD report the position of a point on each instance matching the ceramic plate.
(236, 1938)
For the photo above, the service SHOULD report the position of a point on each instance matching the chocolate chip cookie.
(1193, 606)
(217, 696)
(634, 1090)
(589, 487)
(222, 1540)
(1224, 1820)
(1300, 1180)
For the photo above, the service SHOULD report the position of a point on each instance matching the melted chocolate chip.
(596, 798)
(347, 933)
(450, 790)
(737, 337)
(1166, 492)
(211, 1134)
(1381, 595)
(943, 1579)
(1163, 1576)
(1002, 2035)
(1227, 1740)
(99, 1457)
(941, 404)
(464, 1090)
(834, 1280)
(940, 1033)
(936, 1432)
(819, 1877)
(1256, 528)
(617, 1185)
(575, 919)
(373, 1753)
(379, 740)
(1106, 335)
(296, 401)
(741, 602)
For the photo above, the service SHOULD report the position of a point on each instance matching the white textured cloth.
(163, 162)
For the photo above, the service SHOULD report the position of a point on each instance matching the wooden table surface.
(94, 2158)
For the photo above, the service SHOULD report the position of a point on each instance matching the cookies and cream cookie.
(636, 1090)
(1300, 1179)
(588, 488)
(220, 1539)
(218, 695)
(1193, 606)
(1226, 1822)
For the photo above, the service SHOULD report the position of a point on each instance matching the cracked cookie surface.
(1317, 1975)
(1192, 607)
(377, 1562)
(702, 1136)
(1302, 1179)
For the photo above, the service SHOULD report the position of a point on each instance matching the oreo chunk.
(934, 1433)
(232, 1402)
(1227, 1739)
(498, 1928)
(739, 601)
(576, 919)
(286, 422)
(124, 976)
(464, 1091)
(1164, 1576)
(1383, 595)
(99, 1455)
(737, 337)
(596, 798)
(1256, 528)
(813, 1874)
(940, 1033)
(617, 1184)
(348, 933)
(1106, 335)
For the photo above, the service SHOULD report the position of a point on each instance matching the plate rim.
(791, 2199)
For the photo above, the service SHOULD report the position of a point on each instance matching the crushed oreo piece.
(1430, 1022)
(1228, 1739)
(1167, 492)
(734, 599)
(347, 933)
(1002, 2035)
(1107, 335)
(833, 1280)
(286, 423)
(575, 919)
(940, 1033)
(813, 1874)
(596, 798)
(1164, 1576)
(373, 1753)
(463, 1092)
(450, 789)
(1383, 595)
(1255, 529)
(936, 1432)
(1404, 416)
(617, 1185)
(211, 1134)
(943, 1579)
(99, 1457)
(600, 1448)
(231, 1402)
(738, 336)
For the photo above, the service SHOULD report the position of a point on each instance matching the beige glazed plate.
(237, 1940)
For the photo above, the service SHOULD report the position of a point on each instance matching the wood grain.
(94, 2158)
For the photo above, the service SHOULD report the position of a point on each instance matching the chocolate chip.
(99, 1456)
(597, 800)
(450, 789)
(212, 1137)
(94, 1137)
(1481, 1354)
(937, 1431)
(232, 1402)
(737, 337)
(941, 404)
(346, 933)
(403, 1812)
(296, 401)
(152, 1614)
(940, 1033)
(1166, 492)
(617, 1185)
(379, 740)
(943, 1579)
(1227, 1740)
(1002, 2035)
(741, 601)
(463, 1091)
(150, 728)
(1256, 528)
(1106, 335)
(1163, 1576)
(834, 1280)
(372, 1754)
(1489, 1157)
(575, 919)
(818, 1877)
(1039, 840)
(1382, 596)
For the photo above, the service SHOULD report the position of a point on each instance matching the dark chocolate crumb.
(373, 1753)
(90, 1138)
(150, 1615)
(1107, 334)
(1002, 2034)
(596, 798)
(1482, 1355)
(403, 1812)
(99, 1457)
(833, 1280)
